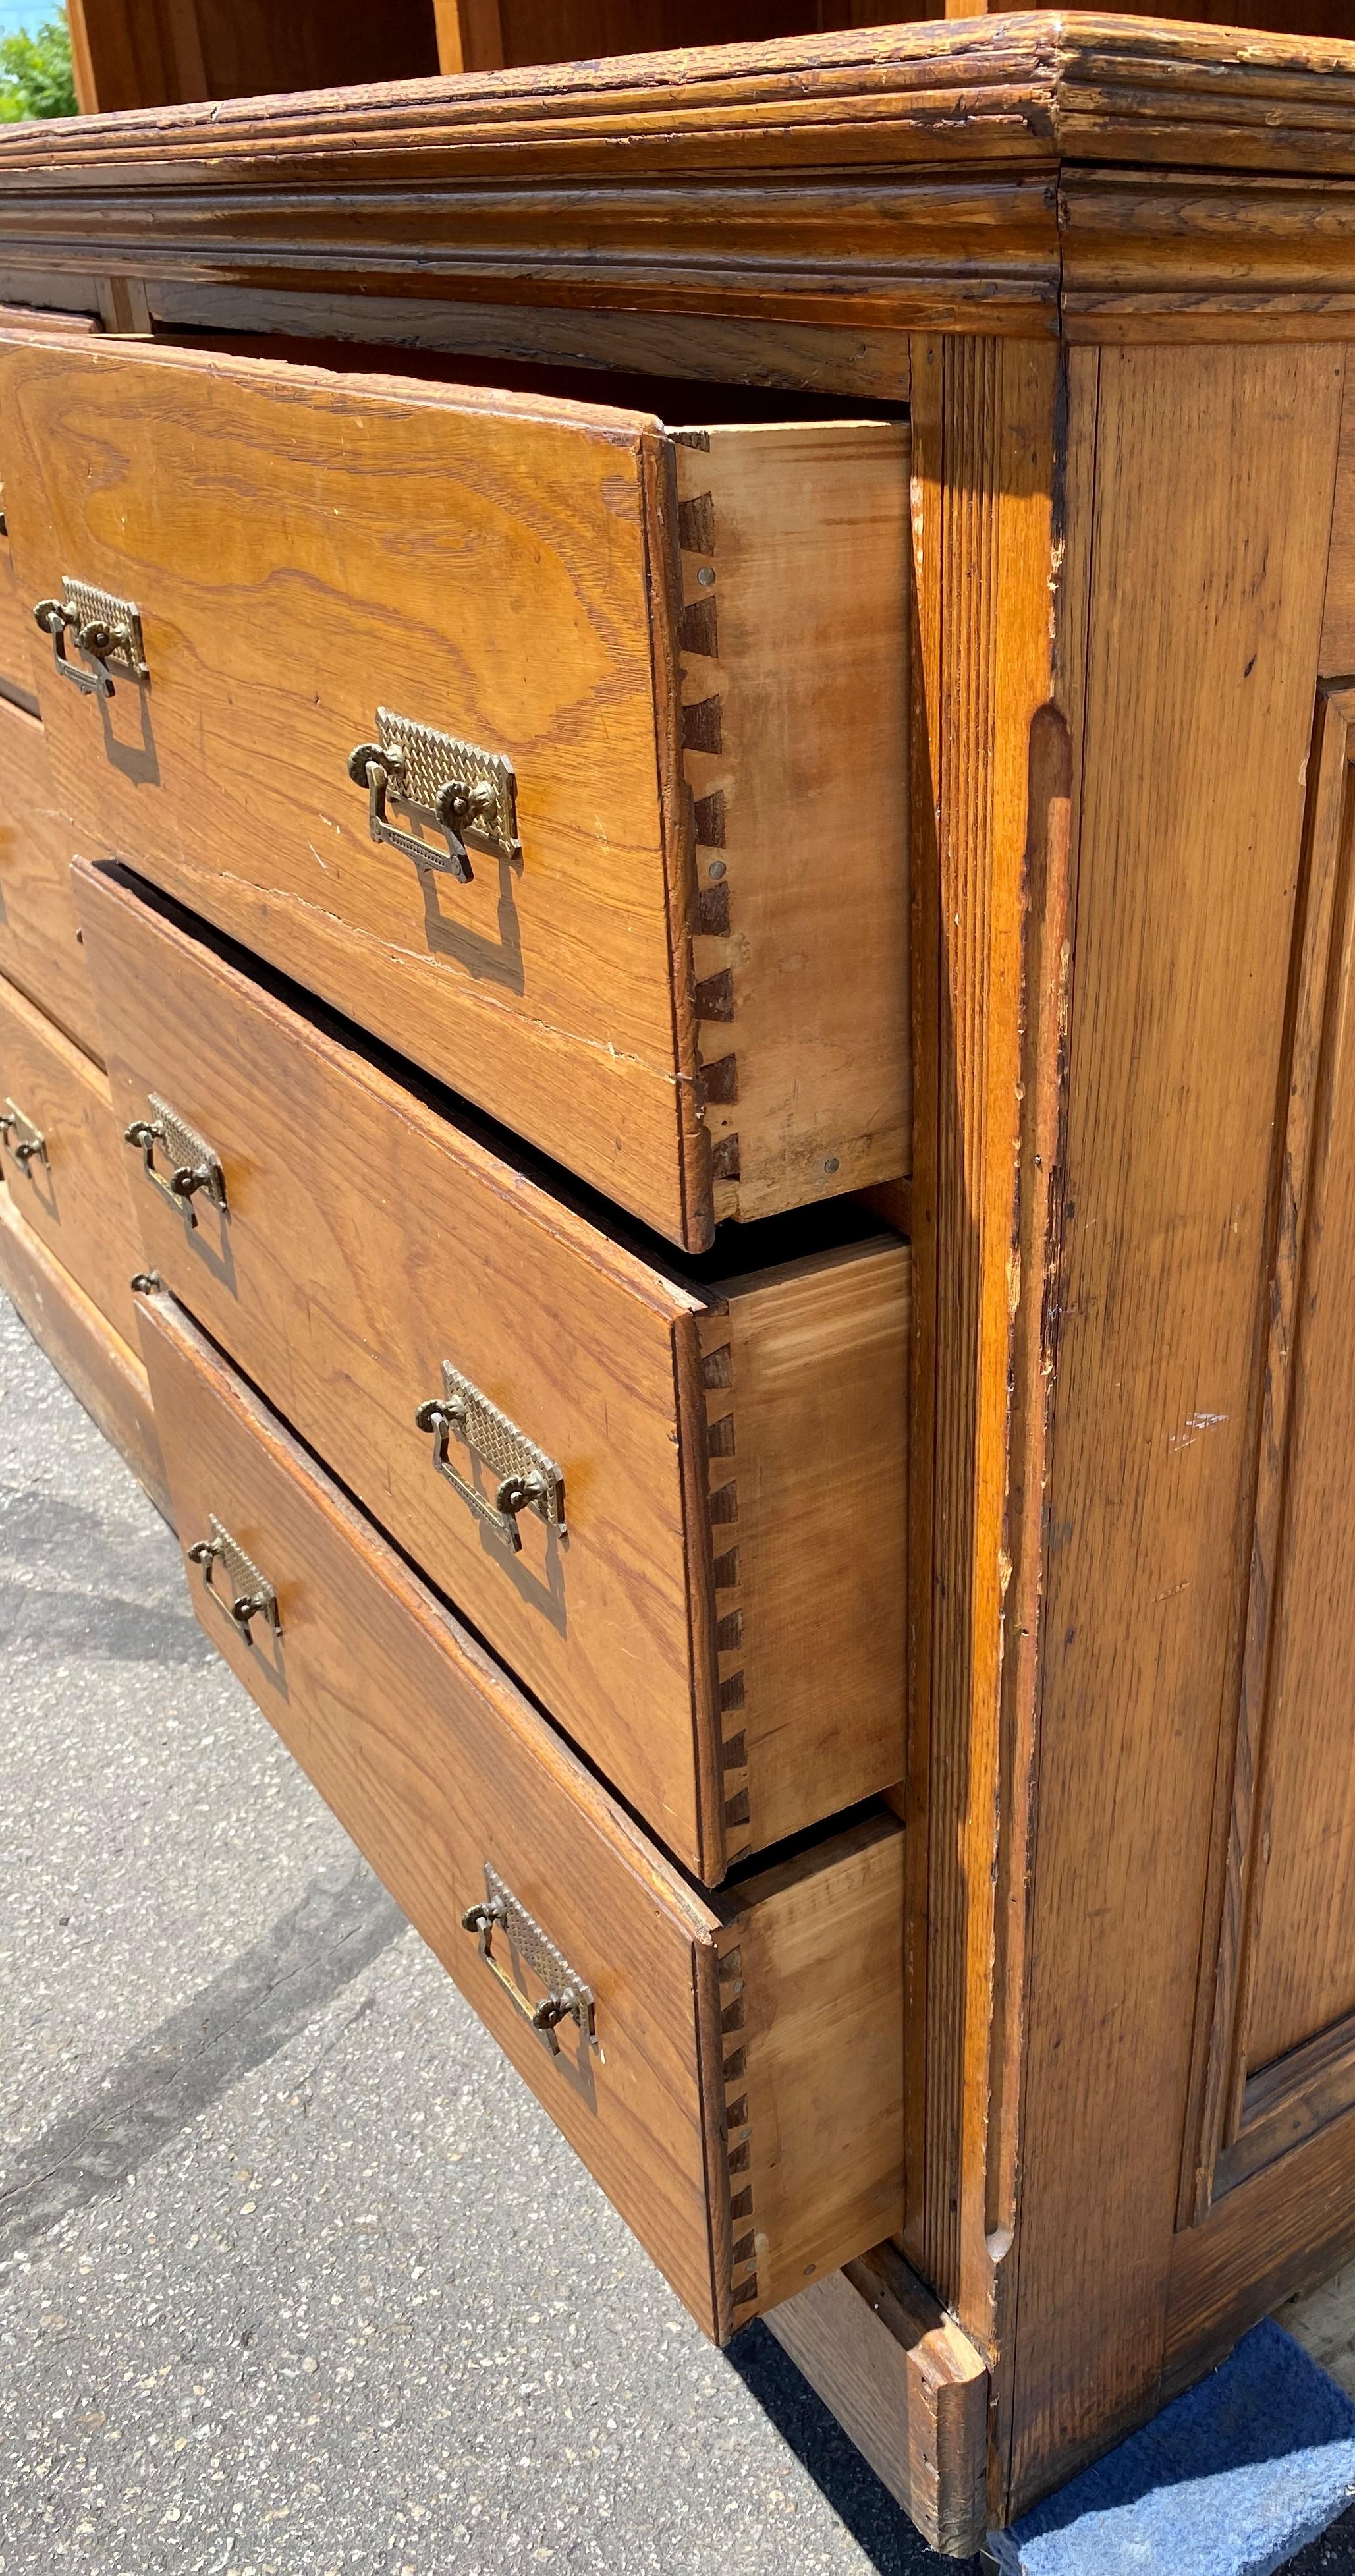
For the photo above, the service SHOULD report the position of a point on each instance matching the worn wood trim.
(905, 2383)
(1219, 2083)
(984, 417)
(94, 1360)
(1092, 87)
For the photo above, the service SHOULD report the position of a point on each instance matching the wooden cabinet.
(1024, 466)
(678, 1592)
(730, 2071)
(656, 689)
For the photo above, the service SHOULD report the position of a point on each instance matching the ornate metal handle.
(527, 1479)
(567, 1998)
(249, 1594)
(26, 1142)
(193, 1163)
(105, 627)
(463, 788)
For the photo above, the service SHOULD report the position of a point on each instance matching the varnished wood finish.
(78, 1339)
(40, 949)
(1190, 829)
(75, 1197)
(721, 1629)
(906, 2384)
(746, 2085)
(583, 992)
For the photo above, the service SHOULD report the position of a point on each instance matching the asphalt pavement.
(296, 2278)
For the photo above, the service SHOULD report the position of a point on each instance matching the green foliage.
(35, 74)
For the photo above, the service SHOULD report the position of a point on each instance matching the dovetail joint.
(703, 739)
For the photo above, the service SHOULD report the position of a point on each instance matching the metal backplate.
(242, 1578)
(18, 1132)
(433, 761)
(185, 1148)
(89, 606)
(505, 1450)
(527, 1941)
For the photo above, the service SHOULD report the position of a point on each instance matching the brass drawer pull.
(26, 1142)
(463, 788)
(567, 1998)
(528, 1479)
(193, 1164)
(105, 627)
(249, 1594)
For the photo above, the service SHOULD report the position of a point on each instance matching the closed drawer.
(719, 1622)
(680, 963)
(40, 947)
(17, 633)
(732, 2076)
(63, 1158)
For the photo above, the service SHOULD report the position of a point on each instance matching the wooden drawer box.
(64, 1160)
(719, 1624)
(740, 2098)
(664, 635)
(40, 947)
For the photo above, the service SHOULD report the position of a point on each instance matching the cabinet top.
(1069, 84)
(1042, 172)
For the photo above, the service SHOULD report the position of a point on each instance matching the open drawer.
(703, 1575)
(653, 681)
(730, 2070)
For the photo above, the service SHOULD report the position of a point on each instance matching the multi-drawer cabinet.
(563, 751)
(729, 2069)
(700, 1569)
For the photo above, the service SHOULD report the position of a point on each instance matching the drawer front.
(760, 2034)
(698, 1028)
(682, 1602)
(40, 948)
(18, 634)
(62, 1156)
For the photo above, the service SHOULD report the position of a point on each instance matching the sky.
(15, 14)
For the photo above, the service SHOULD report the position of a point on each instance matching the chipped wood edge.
(905, 2384)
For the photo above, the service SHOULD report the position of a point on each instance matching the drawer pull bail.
(193, 1164)
(464, 788)
(527, 1479)
(249, 1595)
(26, 1142)
(567, 1998)
(106, 628)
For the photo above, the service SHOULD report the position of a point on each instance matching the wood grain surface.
(554, 989)
(108, 1377)
(75, 1197)
(1215, 471)
(435, 1762)
(795, 563)
(697, 1489)
(480, 564)
(40, 948)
